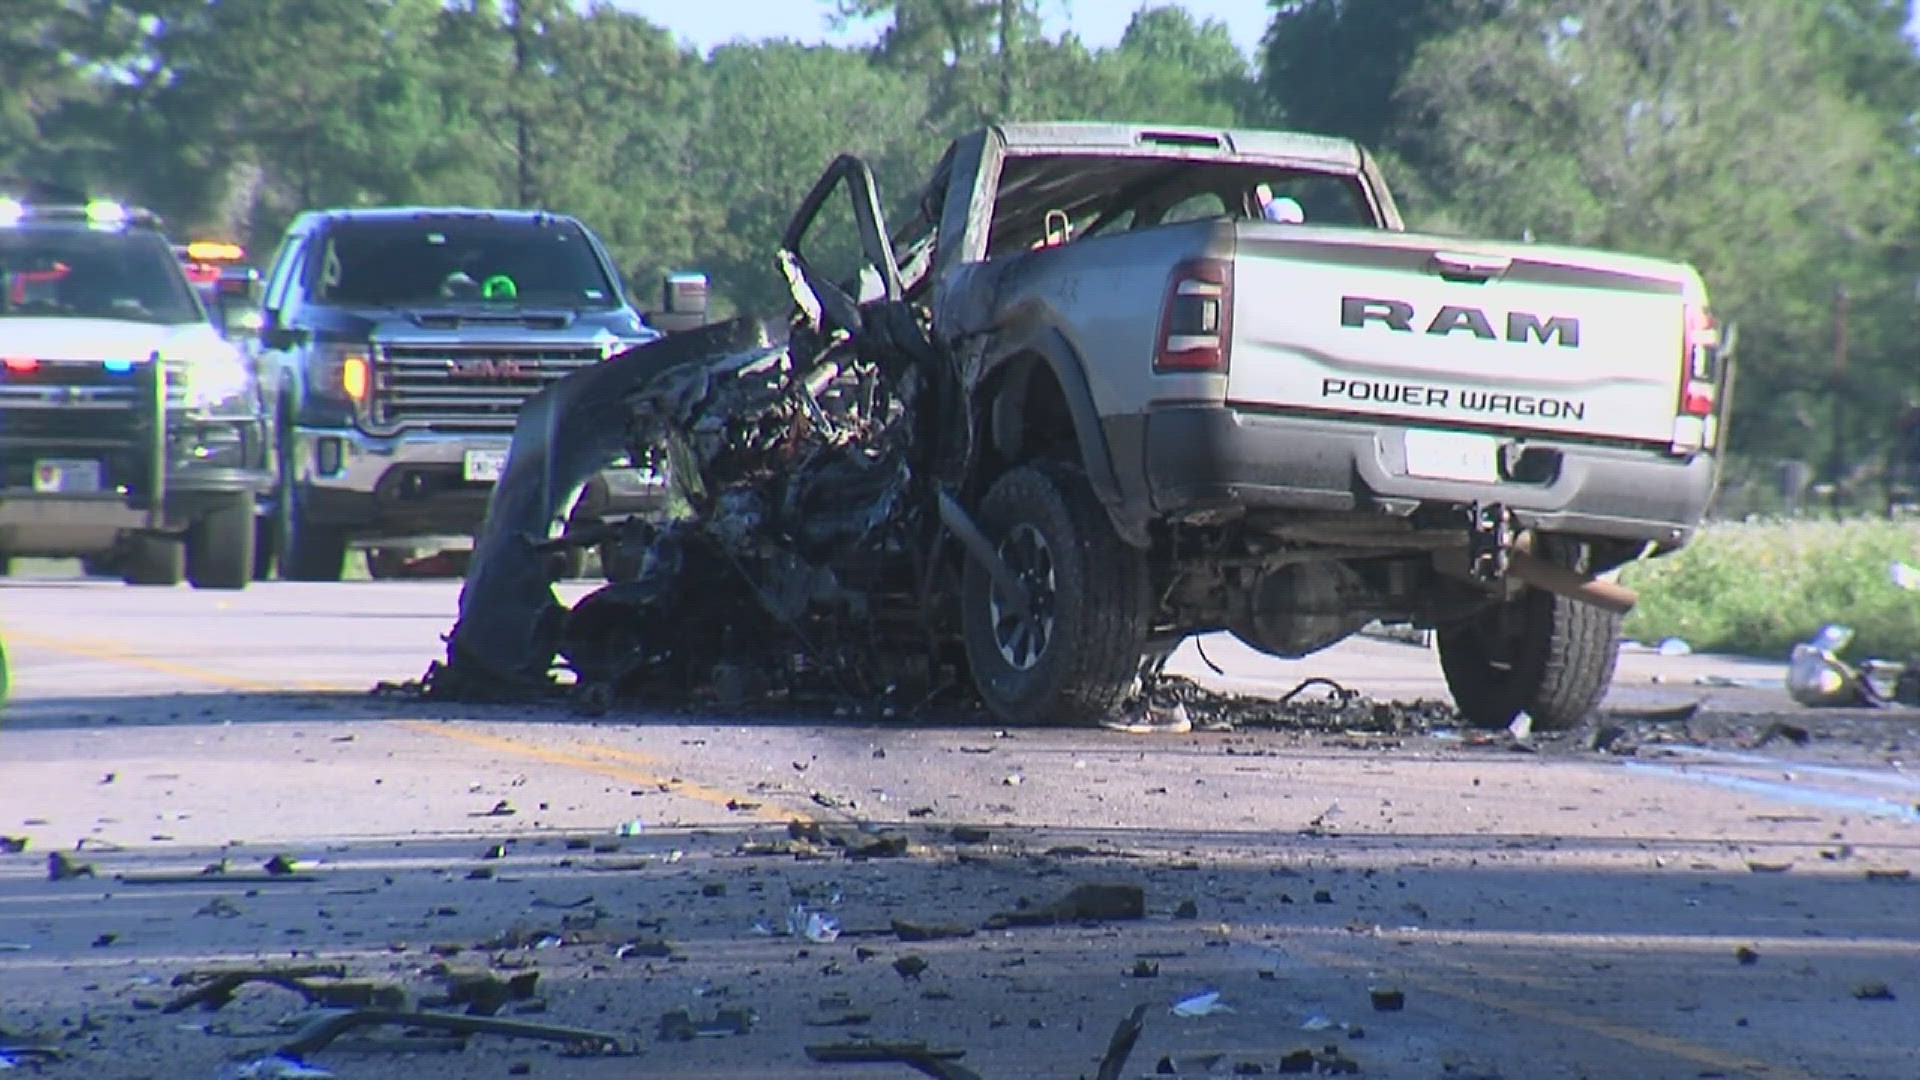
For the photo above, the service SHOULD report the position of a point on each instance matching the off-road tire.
(220, 545)
(1091, 657)
(265, 555)
(1545, 655)
(388, 563)
(154, 560)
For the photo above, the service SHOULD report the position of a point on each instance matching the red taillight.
(1699, 362)
(20, 364)
(1196, 321)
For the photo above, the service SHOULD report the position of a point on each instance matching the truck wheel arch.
(1030, 371)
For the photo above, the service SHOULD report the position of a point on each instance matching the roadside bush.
(1757, 588)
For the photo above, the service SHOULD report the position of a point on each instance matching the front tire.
(1068, 650)
(154, 560)
(1545, 655)
(220, 545)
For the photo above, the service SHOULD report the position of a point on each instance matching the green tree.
(776, 114)
(330, 100)
(974, 50)
(1659, 129)
(1333, 66)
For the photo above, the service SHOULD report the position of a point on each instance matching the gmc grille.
(465, 387)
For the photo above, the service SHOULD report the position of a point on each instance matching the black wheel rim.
(1023, 624)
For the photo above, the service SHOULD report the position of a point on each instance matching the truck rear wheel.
(387, 563)
(154, 560)
(220, 545)
(1067, 650)
(1545, 655)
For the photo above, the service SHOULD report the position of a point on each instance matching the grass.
(1757, 588)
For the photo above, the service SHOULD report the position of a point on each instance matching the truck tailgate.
(1457, 334)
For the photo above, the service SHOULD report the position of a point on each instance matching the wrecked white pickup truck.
(1109, 388)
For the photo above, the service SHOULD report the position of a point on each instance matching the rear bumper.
(414, 484)
(1201, 459)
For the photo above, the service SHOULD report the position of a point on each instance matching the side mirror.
(684, 303)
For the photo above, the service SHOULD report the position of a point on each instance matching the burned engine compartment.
(803, 551)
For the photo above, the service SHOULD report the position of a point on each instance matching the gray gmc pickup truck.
(404, 341)
(1110, 387)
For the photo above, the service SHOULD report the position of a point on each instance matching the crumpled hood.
(42, 338)
(508, 629)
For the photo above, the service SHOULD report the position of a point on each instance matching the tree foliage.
(1771, 142)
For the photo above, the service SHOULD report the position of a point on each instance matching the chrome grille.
(465, 387)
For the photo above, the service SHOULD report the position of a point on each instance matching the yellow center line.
(610, 762)
(596, 758)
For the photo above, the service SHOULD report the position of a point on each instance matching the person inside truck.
(1283, 209)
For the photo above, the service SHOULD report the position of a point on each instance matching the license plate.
(484, 465)
(66, 476)
(1452, 455)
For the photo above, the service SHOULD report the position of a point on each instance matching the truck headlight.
(216, 386)
(340, 372)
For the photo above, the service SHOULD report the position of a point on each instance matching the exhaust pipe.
(1560, 581)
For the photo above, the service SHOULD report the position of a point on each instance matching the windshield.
(438, 259)
(88, 273)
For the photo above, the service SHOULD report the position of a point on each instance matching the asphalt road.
(1719, 895)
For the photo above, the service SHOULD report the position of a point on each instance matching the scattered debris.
(1083, 903)
(678, 1025)
(61, 868)
(911, 966)
(220, 908)
(1387, 999)
(1152, 718)
(1780, 731)
(1759, 867)
(1746, 955)
(503, 808)
(907, 930)
(13, 845)
(1660, 714)
(1145, 969)
(281, 866)
(1204, 1003)
(815, 926)
(276, 1067)
(483, 992)
(1817, 677)
(213, 990)
(329, 1026)
(885, 846)
(1120, 1046)
(1874, 990)
(969, 834)
(630, 828)
(939, 1064)
(649, 948)
(1187, 909)
(1901, 874)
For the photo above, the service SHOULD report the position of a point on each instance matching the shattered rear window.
(1105, 195)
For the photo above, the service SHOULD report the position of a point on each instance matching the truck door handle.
(1460, 266)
